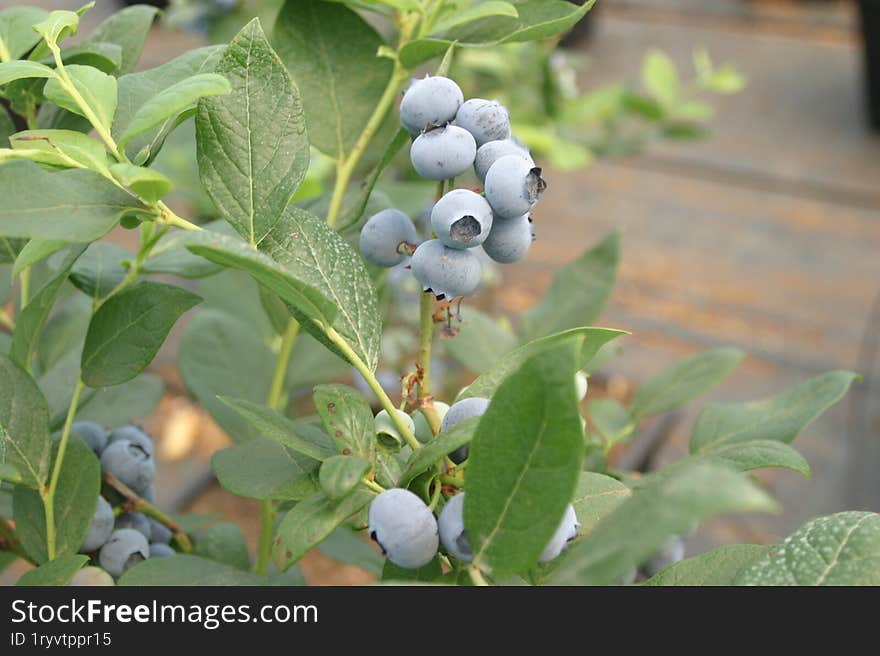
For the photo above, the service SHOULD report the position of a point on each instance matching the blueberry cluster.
(451, 136)
(120, 541)
(405, 527)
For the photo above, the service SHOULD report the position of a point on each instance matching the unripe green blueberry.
(491, 151)
(566, 532)
(510, 239)
(448, 272)
(91, 577)
(461, 219)
(383, 235)
(443, 153)
(451, 527)
(386, 430)
(513, 186)
(92, 434)
(486, 120)
(422, 429)
(404, 527)
(430, 101)
(100, 528)
(125, 549)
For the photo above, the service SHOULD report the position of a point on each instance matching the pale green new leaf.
(17, 35)
(68, 148)
(23, 69)
(147, 183)
(97, 89)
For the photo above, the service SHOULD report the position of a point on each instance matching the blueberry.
(125, 548)
(491, 151)
(149, 494)
(443, 153)
(669, 554)
(486, 120)
(100, 528)
(386, 430)
(92, 434)
(135, 520)
(509, 240)
(461, 219)
(451, 526)
(135, 435)
(513, 186)
(160, 550)
(428, 102)
(580, 381)
(382, 236)
(448, 272)
(159, 532)
(130, 463)
(566, 532)
(475, 406)
(404, 528)
(422, 429)
(91, 576)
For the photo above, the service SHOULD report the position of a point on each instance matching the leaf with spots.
(347, 419)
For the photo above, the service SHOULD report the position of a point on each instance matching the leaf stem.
(25, 278)
(267, 526)
(171, 218)
(49, 493)
(426, 336)
(6, 321)
(136, 503)
(373, 485)
(477, 576)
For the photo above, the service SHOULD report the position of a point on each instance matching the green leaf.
(263, 469)
(7, 557)
(146, 183)
(127, 28)
(224, 543)
(97, 89)
(474, 12)
(76, 496)
(33, 316)
(684, 381)
(331, 53)
(524, 463)
(660, 77)
(347, 419)
(170, 255)
(779, 417)
(578, 293)
(253, 151)
(33, 251)
(297, 435)
(481, 342)
(611, 420)
(137, 89)
(23, 69)
(443, 444)
(17, 35)
(347, 546)
(7, 127)
(24, 425)
(427, 573)
(757, 454)
(589, 340)
(59, 572)
(123, 404)
(243, 372)
(720, 566)
(106, 57)
(127, 330)
(595, 497)
(171, 101)
(60, 24)
(840, 549)
(64, 331)
(67, 148)
(666, 505)
(99, 270)
(181, 570)
(312, 520)
(339, 475)
(73, 205)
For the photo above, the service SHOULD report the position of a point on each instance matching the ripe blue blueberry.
(486, 120)
(384, 234)
(669, 554)
(135, 435)
(404, 528)
(513, 186)
(125, 548)
(135, 520)
(91, 576)
(100, 528)
(565, 533)
(430, 101)
(475, 406)
(150, 493)
(160, 550)
(443, 153)
(448, 272)
(451, 526)
(461, 219)
(159, 532)
(491, 151)
(130, 463)
(509, 239)
(422, 429)
(92, 434)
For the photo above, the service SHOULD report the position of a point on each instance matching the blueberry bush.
(505, 481)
